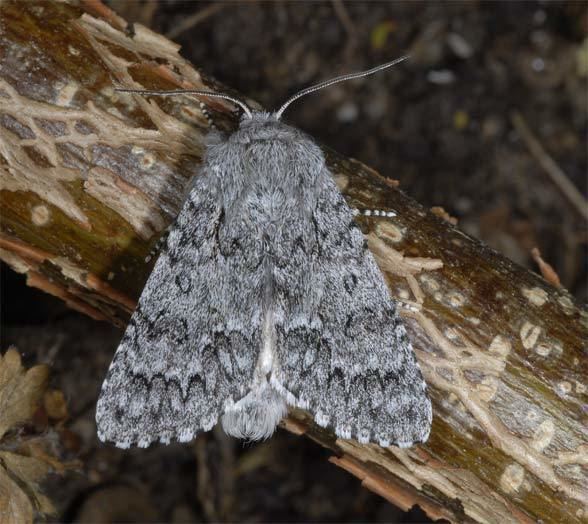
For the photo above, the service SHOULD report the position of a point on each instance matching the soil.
(441, 123)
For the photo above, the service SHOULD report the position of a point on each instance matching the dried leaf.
(28, 469)
(20, 391)
(36, 449)
(15, 506)
(22, 470)
(25, 473)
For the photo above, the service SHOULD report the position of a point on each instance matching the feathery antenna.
(336, 80)
(196, 92)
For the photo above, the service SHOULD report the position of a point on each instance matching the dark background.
(440, 124)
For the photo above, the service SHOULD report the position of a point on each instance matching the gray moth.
(264, 296)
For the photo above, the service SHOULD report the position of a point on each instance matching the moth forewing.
(263, 296)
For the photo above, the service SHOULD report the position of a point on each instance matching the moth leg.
(373, 212)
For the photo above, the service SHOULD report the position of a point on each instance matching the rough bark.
(90, 178)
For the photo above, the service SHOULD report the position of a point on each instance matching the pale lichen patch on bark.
(70, 271)
(456, 299)
(567, 304)
(564, 388)
(543, 349)
(40, 215)
(543, 435)
(146, 159)
(404, 294)
(529, 334)
(395, 263)
(129, 202)
(500, 346)
(66, 93)
(512, 478)
(389, 231)
(438, 296)
(536, 296)
(487, 388)
(429, 282)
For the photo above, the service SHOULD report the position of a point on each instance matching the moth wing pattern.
(264, 276)
(343, 351)
(183, 356)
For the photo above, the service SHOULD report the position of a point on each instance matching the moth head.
(278, 114)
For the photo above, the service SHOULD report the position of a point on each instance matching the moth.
(264, 296)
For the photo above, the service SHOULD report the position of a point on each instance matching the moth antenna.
(197, 92)
(336, 80)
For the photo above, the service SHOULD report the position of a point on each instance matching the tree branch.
(90, 178)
